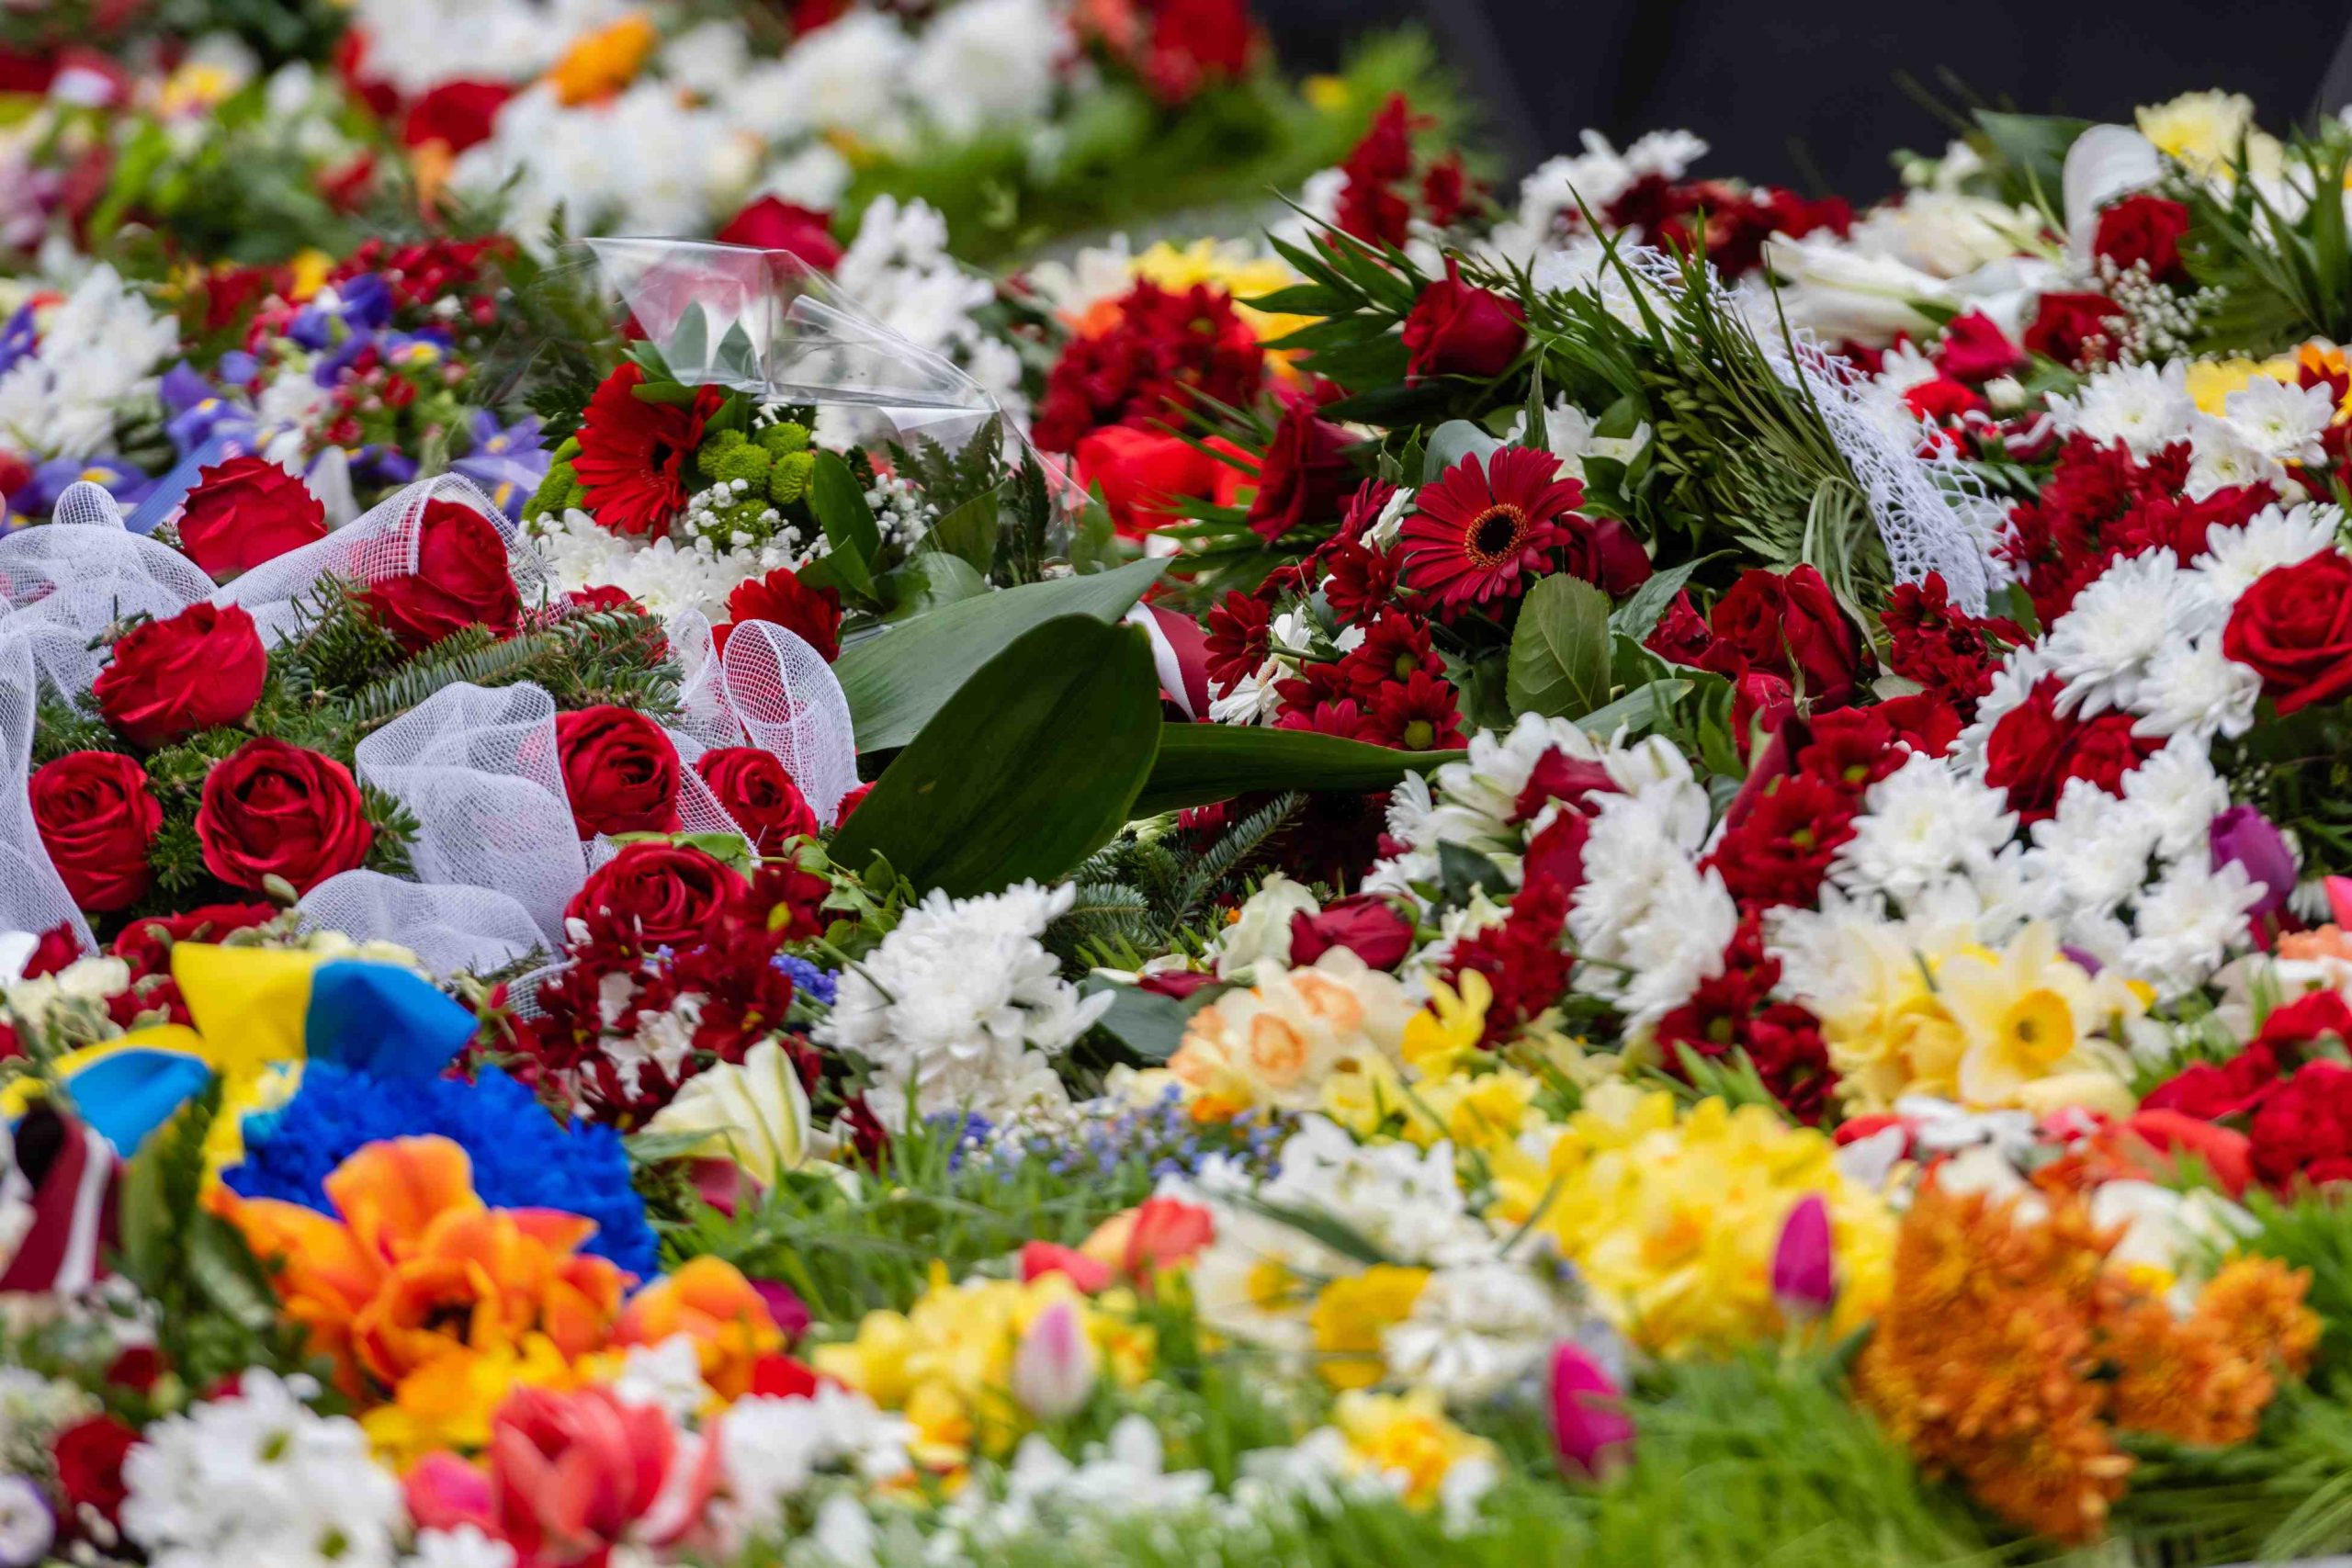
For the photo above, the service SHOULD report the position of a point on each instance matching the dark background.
(1806, 93)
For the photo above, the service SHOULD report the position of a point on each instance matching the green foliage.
(2284, 278)
(1559, 652)
(1200, 763)
(2313, 1230)
(1144, 893)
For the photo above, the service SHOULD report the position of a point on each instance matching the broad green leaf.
(1146, 1023)
(690, 344)
(1463, 870)
(1199, 763)
(1559, 654)
(838, 502)
(900, 676)
(968, 532)
(224, 1269)
(1032, 767)
(2035, 147)
(1638, 615)
(930, 580)
(1636, 711)
(736, 356)
(1451, 442)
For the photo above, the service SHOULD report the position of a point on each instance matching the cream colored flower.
(755, 1113)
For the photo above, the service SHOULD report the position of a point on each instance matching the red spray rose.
(201, 668)
(2294, 628)
(1790, 626)
(462, 580)
(1305, 478)
(247, 511)
(1366, 924)
(771, 223)
(1976, 350)
(1456, 328)
(657, 895)
(620, 770)
(758, 792)
(278, 810)
(455, 114)
(2144, 228)
(98, 820)
(89, 1455)
(813, 615)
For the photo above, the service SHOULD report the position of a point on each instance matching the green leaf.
(838, 502)
(930, 579)
(690, 344)
(1032, 767)
(898, 679)
(224, 1269)
(1637, 711)
(968, 532)
(1462, 870)
(1199, 763)
(1146, 1023)
(1559, 654)
(1451, 442)
(737, 357)
(2035, 147)
(1638, 615)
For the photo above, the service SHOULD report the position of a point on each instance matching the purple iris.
(507, 462)
(198, 413)
(49, 480)
(17, 337)
(354, 306)
(380, 464)
(237, 368)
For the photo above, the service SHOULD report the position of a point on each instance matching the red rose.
(57, 949)
(146, 945)
(771, 223)
(2305, 1128)
(462, 580)
(455, 114)
(1605, 553)
(278, 810)
(201, 668)
(658, 896)
(89, 1455)
(1141, 472)
(620, 770)
(1304, 478)
(1680, 636)
(851, 802)
(1367, 924)
(1976, 350)
(2144, 229)
(2033, 750)
(1943, 401)
(2211, 1091)
(98, 820)
(1789, 626)
(758, 792)
(813, 615)
(2294, 628)
(1457, 329)
(244, 511)
(1760, 703)
(2073, 329)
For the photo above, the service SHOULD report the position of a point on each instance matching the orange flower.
(605, 62)
(1158, 1233)
(710, 1302)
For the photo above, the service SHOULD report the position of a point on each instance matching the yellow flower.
(1407, 1437)
(1446, 1033)
(448, 1402)
(2032, 1019)
(1352, 1314)
(2209, 382)
(2204, 130)
(606, 60)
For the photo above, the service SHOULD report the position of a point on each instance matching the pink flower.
(1589, 1425)
(1803, 1280)
(1053, 1370)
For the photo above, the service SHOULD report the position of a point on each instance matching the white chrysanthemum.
(2221, 456)
(898, 271)
(465, 1546)
(847, 76)
(661, 575)
(2272, 537)
(1407, 1201)
(2188, 924)
(2104, 644)
(962, 1008)
(2283, 423)
(2145, 407)
(771, 1449)
(98, 350)
(1647, 924)
(2181, 795)
(988, 63)
(2193, 688)
(2094, 849)
(259, 1478)
(1918, 825)
(416, 45)
(1476, 1329)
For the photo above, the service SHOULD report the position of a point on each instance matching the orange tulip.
(711, 1303)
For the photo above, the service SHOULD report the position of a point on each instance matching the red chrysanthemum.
(1239, 633)
(1483, 528)
(1418, 713)
(631, 453)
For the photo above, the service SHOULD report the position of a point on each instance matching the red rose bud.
(2293, 628)
(1802, 1276)
(98, 820)
(2075, 328)
(851, 802)
(1303, 477)
(1760, 703)
(1176, 984)
(620, 770)
(1590, 1430)
(1974, 350)
(1457, 329)
(656, 894)
(462, 580)
(1366, 924)
(201, 668)
(2244, 835)
(244, 511)
(756, 790)
(771, 223)
(278, 810)
(2144, 229)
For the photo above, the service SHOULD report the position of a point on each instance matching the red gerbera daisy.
(1481, 526)
(631, 452)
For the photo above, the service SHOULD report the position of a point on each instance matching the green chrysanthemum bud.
(788, 480)
(554, 493)
(783, 438)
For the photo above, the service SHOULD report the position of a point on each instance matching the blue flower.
(522, 1158)
(805, 976)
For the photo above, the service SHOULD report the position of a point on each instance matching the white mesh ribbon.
(1934, 516)
(478, 770)
(33, 896)
(452, 929)
(379, 544)
(788, 701)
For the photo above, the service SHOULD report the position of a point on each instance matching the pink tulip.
(1053, 1370)
(1589, 1425)
(1802, 1281)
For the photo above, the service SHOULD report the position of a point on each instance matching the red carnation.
(2305, 1127)
(771, 223)
(273, 810)
(2076, 330)
(620, 771)
(813, 615)
(1520, 959)
(2294, 628)
(632, 452)
(1483, 529)
(244, 511)
(462, 580)
(1144, 360)
(1456, 328)
(88, 1455)
(98, 820)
